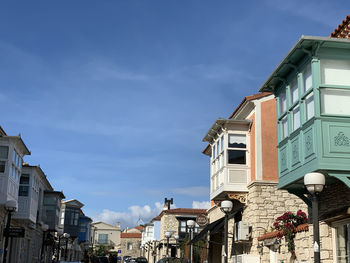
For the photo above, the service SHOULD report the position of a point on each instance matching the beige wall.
(112, 231)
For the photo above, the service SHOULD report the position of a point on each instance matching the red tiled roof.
(300, 228)
(139, 228)
(181, 211)
(130, 235)
(343, 29)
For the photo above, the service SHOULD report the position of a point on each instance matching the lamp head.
(314, 182)
(176, 237)
(60, 232)
(44, 227)
(168, 234)
(66, 235)
(191, 224)
(11, 206)
(226, 206)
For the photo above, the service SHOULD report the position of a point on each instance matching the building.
(106, 235)
(313, 96)
(243, 169)
(12, 151)
(71, 211)
(38, 208)
(130, 242)
(174, 221)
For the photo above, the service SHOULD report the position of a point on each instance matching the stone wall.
(168, 223)
(135, 251)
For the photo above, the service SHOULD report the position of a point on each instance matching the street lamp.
(226, 207)
(167, 235)
(176, 237)
(44, 228)
(59, 234)
(10, 206)
(66, 236)
(314, 183)
(190, 225)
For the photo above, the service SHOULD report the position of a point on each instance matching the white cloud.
(131, 217)
(201, 205)
(192, 191)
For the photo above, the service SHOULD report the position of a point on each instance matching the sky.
(113, 98)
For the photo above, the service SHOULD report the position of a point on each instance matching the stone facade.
(130, 244)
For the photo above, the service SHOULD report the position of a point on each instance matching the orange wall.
(252, 150)
(269, 140)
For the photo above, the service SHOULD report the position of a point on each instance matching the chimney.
(118, 224)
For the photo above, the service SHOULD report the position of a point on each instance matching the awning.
(215, 226)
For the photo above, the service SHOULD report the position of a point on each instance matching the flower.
(286, 225)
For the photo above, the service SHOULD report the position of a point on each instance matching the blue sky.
(113, 98)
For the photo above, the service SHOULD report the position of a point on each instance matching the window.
(129, 246)
(296, 117)
(335, 101)
(335, 72)
(307, 78)
(310, 108)
(294, 92)
(4, 151)
(218, 155)
(102, 238)
(184, 230)
(236, 152)
(284, 122)
(343, 242)
(2, 166)
(283, 102)
(24, 185)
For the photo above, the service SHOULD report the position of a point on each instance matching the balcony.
(229, 179)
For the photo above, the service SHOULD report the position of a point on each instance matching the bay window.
(24, 185)
(335, 101)
(237, 146)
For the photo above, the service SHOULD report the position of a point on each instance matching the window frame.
(334, 226)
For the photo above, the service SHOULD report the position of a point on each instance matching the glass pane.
(217, 148)
(307, 78)
(14, 156)
(236, 141)
(343, 243)
(236, 157)
(23, 190)
(294, 92)
(335, 72)
(2, 166)
(4, 152)
(222, 143)
(214, 152)
(310, 108)
(24, 179)
(283, 102)
(335, 101)
(284, 127)
(296, 118)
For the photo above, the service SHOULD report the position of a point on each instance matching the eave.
(219, 125)
(306, 45)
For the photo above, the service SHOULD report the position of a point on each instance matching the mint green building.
(312, 89)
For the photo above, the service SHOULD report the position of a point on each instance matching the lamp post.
(190, 225)
(66, 236)
(167, 235)
(226, 207)
(59, 234)
(44, 228)
(314, 183)
(10, 206)
(176, 237)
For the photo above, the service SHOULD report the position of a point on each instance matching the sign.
(15, 232)
(202, 220)
(119, 251)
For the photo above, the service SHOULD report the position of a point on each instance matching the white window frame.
(334, 225)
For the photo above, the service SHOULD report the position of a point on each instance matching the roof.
(2, 131)
(73, 202)
(41, 173)
(250, 98)
(130, 235)
(219, 123)
(300, 228)
(19, 142)
(343, 29)
(180, 211)
(306, 45)
(139, 228)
